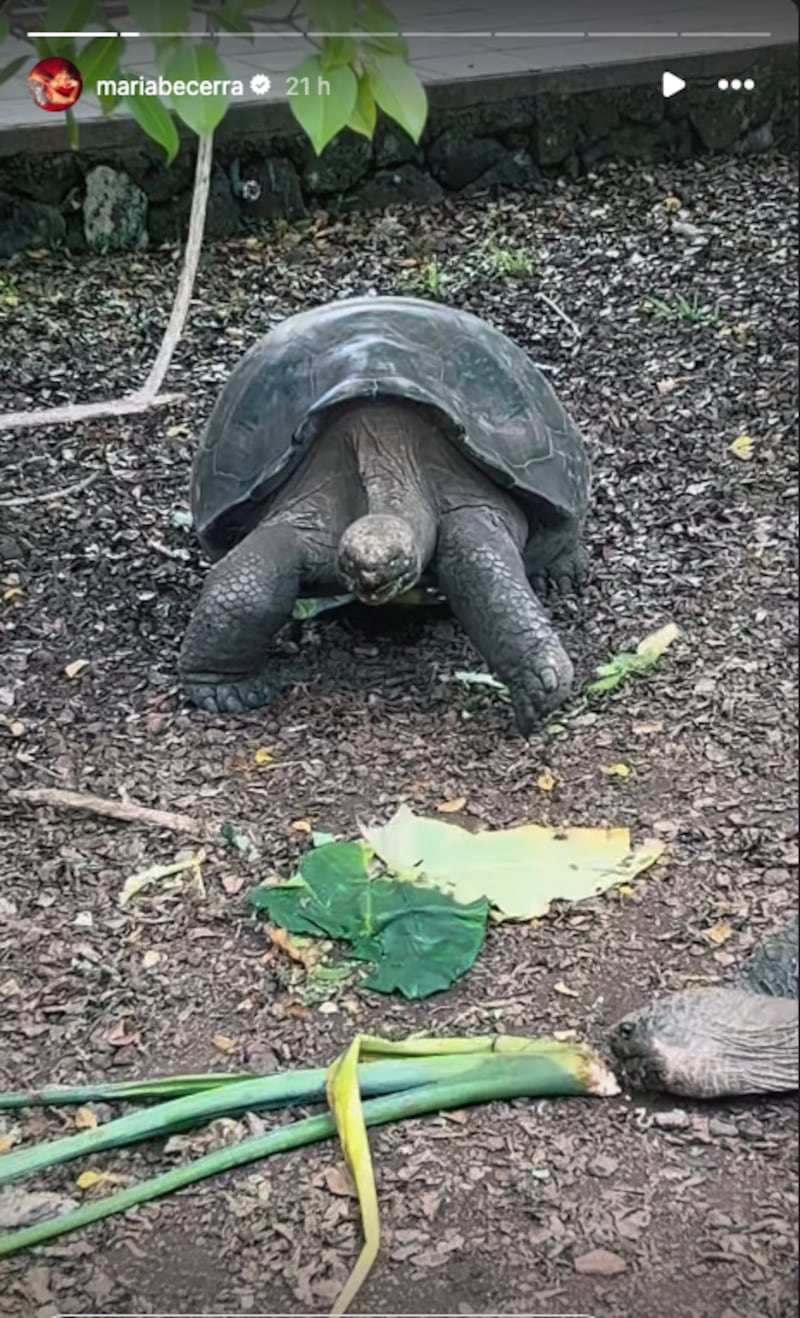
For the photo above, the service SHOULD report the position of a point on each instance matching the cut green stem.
(505, 1077)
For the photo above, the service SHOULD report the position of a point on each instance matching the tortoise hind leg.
(480, 570)
(246, 598)
(556, 560)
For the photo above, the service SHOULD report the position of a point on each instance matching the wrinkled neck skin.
(711, 1044)
(384, 553)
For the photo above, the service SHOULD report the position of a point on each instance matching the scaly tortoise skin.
(717, 1043)
(371, 444)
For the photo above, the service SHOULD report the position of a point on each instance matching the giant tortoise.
(371, 444)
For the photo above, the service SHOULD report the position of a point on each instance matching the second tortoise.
(720, 1042)
(369, 445)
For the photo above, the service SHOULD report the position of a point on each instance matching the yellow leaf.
(742, 447)
(344, 1100)
(6, 1143)
(85, 1119)
(301, 826)
(720, 932)
(565, 991)
(224, 1044)
(625, 890)
(545, 782)
(177, 432)
(89, 1179)
(672, 203)
(654, 645)
(520, 870)
(75, 668)
(618, 770)
(452, 807)
(263, 756)
(13, 593)
(645, 729)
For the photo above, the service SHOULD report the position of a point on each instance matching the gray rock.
(224, 215)
(26, 225)
(45, 179)
(513, 171)
(168, 223)
(161, 182)
(390, 187)
(457, 160)
(556, 131)
(114, 211)
(394, 147)
(758, 139)
(342, 164)
(271, 191)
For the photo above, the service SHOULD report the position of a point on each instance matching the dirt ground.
(491, 1210)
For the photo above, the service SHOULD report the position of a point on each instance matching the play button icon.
(671, 83)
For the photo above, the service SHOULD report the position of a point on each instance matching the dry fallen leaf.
(672, 203)
(223, 1044)
(339, 1181)
(666, 385)
(618, 770)
(599, 1263)
(742, 447)
(6, 1143)
(232, 884)
(301, 826)
(85, 1119)
(545, 782)
(564, 990)
(719, 933)
(305, 953)
(123, 1034)
(646, 729)
(89, 1180)
(150, 959)
(74, 669)
(263, 756)
(452, 807)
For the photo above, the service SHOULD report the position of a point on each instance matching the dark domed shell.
(504, 413)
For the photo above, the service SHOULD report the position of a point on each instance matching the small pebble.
(602, 1166)
(716, 1127)
(676, 1119)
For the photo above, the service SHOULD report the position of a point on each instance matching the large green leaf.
(161, 15)
(383, 28)
(323, 104)
(13, 67)
(399, 93)
(520, 870)
(5, 26)
(155, 120)
(331, 15)
(99, 59)
(197, 61)
(365, 114)
(419, 939)
(68, 15)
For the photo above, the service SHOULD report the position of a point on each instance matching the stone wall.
(117, 194)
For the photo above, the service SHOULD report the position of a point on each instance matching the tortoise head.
(709, 1043)
(378, 559)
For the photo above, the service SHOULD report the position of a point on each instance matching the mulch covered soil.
(493, 1210)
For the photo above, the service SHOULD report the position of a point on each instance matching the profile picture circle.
(55, 83)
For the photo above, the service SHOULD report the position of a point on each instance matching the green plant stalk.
(280, 1090)
(499, 1078)
(123, 1091)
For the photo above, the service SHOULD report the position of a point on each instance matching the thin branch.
(75, 412)
(51, 495)
(127, 811)
(191, 259)
(562, 314)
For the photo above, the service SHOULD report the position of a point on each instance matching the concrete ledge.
(483, 134)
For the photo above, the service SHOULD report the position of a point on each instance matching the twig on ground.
(127, 811)
(561, 314)
(51, 495)
(75, 412)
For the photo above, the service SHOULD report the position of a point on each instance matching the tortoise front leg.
(481, 572)
(246, 599)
